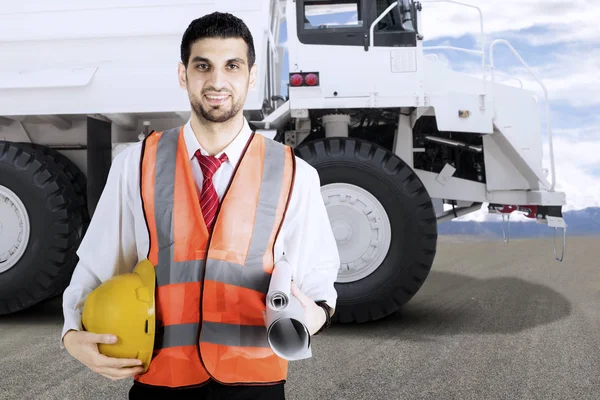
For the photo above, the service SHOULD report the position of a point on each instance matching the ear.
(181, 72)
(253, 75)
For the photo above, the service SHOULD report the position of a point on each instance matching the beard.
(215, 114)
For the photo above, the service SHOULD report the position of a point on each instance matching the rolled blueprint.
(287, 333)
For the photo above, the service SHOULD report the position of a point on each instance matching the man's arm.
(309, 244)
(109, 247)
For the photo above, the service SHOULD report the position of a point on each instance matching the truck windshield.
(332, 14)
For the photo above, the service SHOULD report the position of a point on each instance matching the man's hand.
(314, 315)
(83, 346)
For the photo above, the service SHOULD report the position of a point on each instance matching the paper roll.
(279, 293)
(287, 333)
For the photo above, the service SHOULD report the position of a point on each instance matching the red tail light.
(296, 80)
(304, 79)
(312, 80)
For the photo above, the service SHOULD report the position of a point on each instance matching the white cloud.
(581, 132)
(577, 20)
(572, 77)
(574, 161)
(559, 33)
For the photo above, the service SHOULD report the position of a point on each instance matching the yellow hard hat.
(124, 306)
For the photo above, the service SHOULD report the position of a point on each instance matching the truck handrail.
(516, 54)
(482, 33)
(482, 52)
(382, 16)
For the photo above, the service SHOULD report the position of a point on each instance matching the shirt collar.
(233, 150)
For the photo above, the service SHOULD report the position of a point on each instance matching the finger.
(111, 362)
(304, 300)
(120, 373)
(296, 291)
(100, 338)
(294, 288)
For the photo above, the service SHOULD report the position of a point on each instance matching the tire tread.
(66, 205)
(365, 155)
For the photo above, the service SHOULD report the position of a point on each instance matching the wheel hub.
(14, 229)
(342, 231)
(361, 228)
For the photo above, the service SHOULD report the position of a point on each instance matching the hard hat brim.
(145, 270)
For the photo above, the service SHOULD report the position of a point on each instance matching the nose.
(218, 80)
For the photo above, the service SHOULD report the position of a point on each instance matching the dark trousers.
(210, 391)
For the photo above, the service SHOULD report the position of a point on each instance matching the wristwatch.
(323, 304)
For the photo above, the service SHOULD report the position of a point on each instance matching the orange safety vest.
(211, 289)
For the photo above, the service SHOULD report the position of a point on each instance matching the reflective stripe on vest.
(211, 290)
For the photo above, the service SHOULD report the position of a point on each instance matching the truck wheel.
(383, 221)
(40, 226)
(73, 174)
(79, 183)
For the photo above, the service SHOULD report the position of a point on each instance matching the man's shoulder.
(126, 159)
(127, 152)
(306, 181)
(305, 172)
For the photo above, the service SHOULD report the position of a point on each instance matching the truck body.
(400, 140)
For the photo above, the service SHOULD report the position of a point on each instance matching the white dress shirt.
(117, 237)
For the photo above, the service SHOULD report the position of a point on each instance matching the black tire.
(55, 216)
(73, 174)
(411, 214)
(79, 184)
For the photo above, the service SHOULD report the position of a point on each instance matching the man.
(136, 212)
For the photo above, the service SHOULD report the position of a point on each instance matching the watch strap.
(323, 304)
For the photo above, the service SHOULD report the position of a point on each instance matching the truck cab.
(318, 23)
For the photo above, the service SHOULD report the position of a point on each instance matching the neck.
(214, 137)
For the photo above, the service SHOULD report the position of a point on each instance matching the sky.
(560, 41)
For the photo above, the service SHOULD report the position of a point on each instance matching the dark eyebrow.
(200, 59)
(237, 60)
(206, 60)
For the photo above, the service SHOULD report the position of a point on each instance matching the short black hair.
(216, 25)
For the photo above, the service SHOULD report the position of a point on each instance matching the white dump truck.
(400, 140)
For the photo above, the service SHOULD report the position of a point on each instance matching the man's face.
(217, 78)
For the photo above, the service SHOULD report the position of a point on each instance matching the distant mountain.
(584, 222)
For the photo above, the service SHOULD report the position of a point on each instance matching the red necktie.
(209, 200)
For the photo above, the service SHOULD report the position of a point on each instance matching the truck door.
(334, 39)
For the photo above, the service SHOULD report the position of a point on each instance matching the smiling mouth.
(218, 97)
(216, 100)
